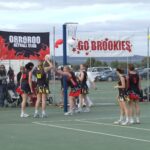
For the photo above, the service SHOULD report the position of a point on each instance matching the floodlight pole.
(54, 59)
(148, 82)
(65, 63)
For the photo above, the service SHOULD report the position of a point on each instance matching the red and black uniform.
(73, 84)
(42, 81)
(83, 84)
(122, 91)
(25, 82)
(133, 86)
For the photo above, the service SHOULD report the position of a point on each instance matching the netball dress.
(122, 91)
(73, 84)
(133, 89)
(42, 82)
(25, 82)
(83, 84)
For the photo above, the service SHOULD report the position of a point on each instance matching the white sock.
(121, 117)
(22, 112)
(36, 111)
(127, 118)
(89, 100)
(43, 112)
(79, 105)
(130, 118)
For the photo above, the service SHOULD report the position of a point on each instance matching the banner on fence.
(21, 45)
(105, 47)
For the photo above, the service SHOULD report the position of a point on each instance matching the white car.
(96, 71)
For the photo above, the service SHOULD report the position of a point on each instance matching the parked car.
(144, 72)
(96, 71)
(107, 76)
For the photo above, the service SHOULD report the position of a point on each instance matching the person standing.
(19, 75)
(134, 87)
(11, 75)
(74, 86)
(84, 89)
(26, 87)
(42, 87)
(91, 84)
(121, 98)
(3, 84)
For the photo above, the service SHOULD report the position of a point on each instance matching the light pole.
(148, 82)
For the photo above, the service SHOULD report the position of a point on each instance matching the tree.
(75, 67)
(115, 64)
(144, 62)
(92, 62)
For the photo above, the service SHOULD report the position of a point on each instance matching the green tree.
(144, 62)
(114, 64)
(94, 63)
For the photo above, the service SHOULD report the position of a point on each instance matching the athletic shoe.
(131, 121)
(138, 121)
(125, 123)
(23, 115)
(79, 110)
(90, 104)
(87, 110)
(69, 113)
(44, 115)
(36, 115)
(118, 122)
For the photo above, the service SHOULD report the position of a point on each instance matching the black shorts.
(25, 88)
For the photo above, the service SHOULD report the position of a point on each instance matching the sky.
(128, 18)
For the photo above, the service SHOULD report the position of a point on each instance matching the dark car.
(145, 73)
(107, 76)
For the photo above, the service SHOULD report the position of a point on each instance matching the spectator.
(11, 74)
(3, 84)
(19, 75)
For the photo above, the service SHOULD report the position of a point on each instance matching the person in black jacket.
(19, 75)
(3, 84)
(11, 75)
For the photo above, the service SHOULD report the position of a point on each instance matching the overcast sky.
(125, 17)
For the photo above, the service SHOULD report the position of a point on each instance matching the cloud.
(44, 4)
(8, 26)
(11, 5)
(94, 16)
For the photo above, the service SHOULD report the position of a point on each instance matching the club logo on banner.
(100, 48)
(20, 45)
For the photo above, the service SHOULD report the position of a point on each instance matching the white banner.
(103, 47)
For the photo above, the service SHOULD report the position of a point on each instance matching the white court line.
(15, 124)
(92, 132)
(108, 124)
(85, 119)
(108, 118)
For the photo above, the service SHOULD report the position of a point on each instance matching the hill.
(80, 60)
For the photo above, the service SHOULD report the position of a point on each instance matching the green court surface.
(84, 131)
(94, 130)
